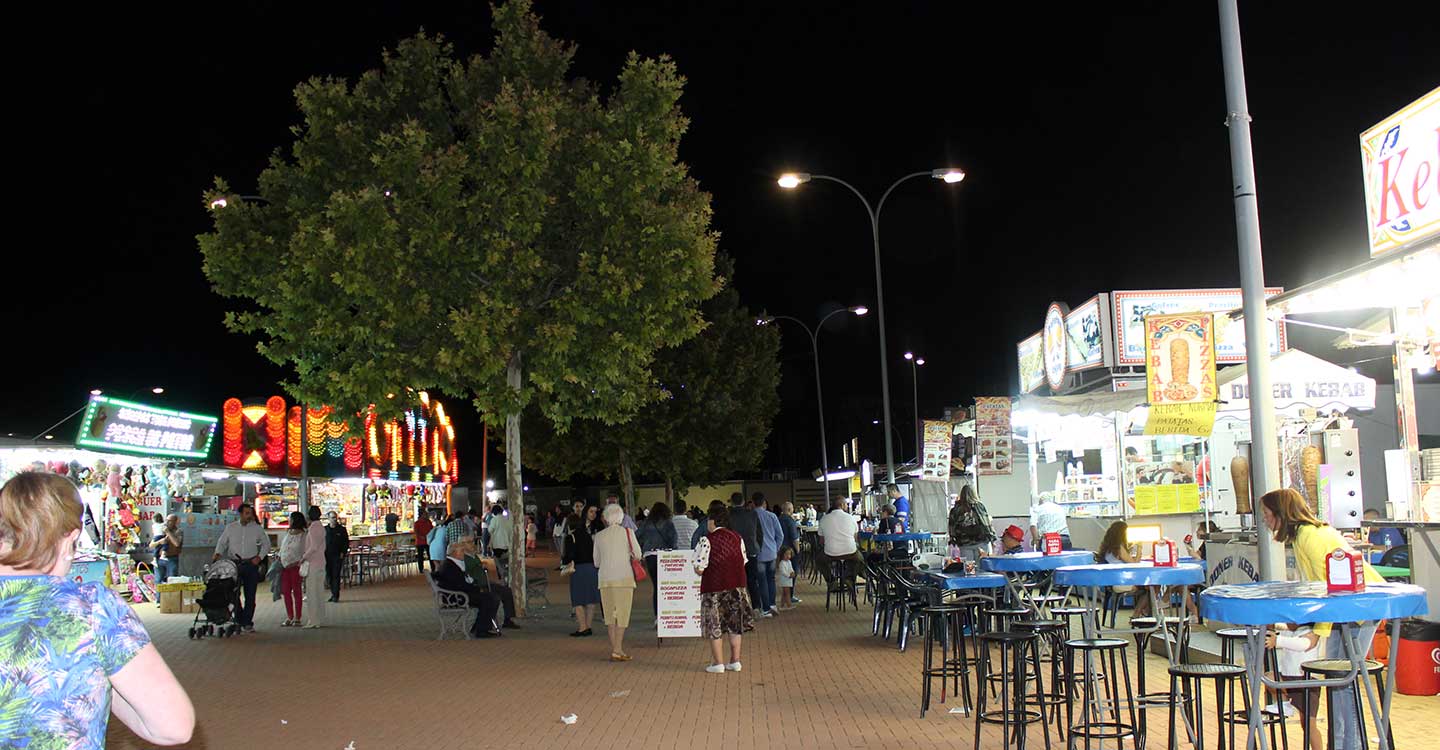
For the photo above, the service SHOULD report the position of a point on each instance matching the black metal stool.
(1173, 629)
(1002, 620)
(842, 583)
(1187, 688)
(1115, 668)
(1333, 668)
(1013, 713)
(1231, 642)
(944, 624)
(1052, 634)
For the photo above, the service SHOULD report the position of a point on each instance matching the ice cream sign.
(113, 424)
(1401, 160)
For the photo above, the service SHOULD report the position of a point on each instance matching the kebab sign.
(1180, 374)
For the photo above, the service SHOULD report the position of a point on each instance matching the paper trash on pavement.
(619, 693)
(569, 718)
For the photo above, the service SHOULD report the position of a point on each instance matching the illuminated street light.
(95, 391)
(950, 176)
(157, 390)
(792, 180)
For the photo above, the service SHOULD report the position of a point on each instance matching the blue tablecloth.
(1129, 574)
(895, 537)
(1027, 562)
(1308, 601)
(957, 581)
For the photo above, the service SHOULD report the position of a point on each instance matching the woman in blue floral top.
(71, 653)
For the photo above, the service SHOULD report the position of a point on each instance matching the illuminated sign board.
(1032, 363)
(1131, 308)
(112, 424)
(1400, 159)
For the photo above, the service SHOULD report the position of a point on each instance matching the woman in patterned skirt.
(725, 609)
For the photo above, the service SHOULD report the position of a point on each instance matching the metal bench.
(452, 609)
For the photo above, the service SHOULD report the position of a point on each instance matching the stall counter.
(396, 539)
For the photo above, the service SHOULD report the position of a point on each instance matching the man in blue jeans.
(245, 541)
(772, 535)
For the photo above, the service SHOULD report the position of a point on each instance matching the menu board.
(935, 463)
(1030, 356)
(679, 595)
(1153, 499)
(1180, 374)
(993, 436)
(204, 529)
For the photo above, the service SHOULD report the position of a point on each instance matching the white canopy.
(1300, 380)
(1099, 404)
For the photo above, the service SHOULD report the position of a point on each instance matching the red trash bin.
(1418, 668)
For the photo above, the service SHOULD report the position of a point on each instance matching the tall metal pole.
(1264, 447)
(814, 335)
(915, 395)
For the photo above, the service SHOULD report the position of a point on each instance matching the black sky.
(1092, 135)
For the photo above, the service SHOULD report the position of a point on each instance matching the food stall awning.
(1403, 278)
(1101, 404)
(1300, 380)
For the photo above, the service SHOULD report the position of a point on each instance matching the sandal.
(619, 657)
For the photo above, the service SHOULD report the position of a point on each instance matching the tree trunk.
(669, 494)
(627, 485)
(515, 492)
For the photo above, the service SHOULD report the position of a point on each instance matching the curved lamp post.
(915, 363)
(792, 180)
(819, 400)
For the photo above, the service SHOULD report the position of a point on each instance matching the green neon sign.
(126, 426)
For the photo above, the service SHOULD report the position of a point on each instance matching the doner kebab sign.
(1180, 374)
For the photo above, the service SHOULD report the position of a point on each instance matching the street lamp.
(792, 180)
(819, 399)
(224, 200)
(915, 363)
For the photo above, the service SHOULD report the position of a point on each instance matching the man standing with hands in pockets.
(245, 539)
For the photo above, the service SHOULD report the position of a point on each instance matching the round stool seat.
(1006, 612)
(1338, 667)
(1097, 644)
(1232, 633)
(944, 609)
(1041, 626)
(1208, 671)
(1006, 636)
(1070, 611)
(1142, 622)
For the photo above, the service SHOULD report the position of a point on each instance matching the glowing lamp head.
(950, 176)
(919, 361)
(764, 321)
(157, 390)
(860, 309)
(96, 392)
(909, 355)
(792, 180)
(219, 203)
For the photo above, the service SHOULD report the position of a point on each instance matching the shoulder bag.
(635, 565)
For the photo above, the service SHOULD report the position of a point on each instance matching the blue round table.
(1257, 605)
(916, 537)
(1020, 565)
(961, 581)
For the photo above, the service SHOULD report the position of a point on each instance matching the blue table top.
(1308, 601)
(957, 581)
(1024, 562)
(1129, 574)
(895, 537)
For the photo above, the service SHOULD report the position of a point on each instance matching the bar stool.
(1052, 635)
(943, 624)
(1173, 629)
(1231, 641)
(1104, 662)
(1187, 686)
(1335, 668)
(1001, 620)
(843, 585)
(1013, 712)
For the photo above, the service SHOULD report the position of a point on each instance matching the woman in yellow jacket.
(1290, 519)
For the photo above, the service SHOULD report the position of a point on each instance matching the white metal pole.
(1264, 458)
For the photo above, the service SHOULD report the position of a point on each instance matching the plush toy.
(112, 483)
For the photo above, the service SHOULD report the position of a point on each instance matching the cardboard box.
(171, 602)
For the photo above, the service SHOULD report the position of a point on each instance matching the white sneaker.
(716, 669)
(733, 666)
(767, 613)
(774, 610)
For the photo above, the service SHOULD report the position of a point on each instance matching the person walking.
(440, 542)
(423, 525)
(685, 526)
(292, 553)
(657, 532)
(72, 653)
(557, 531)
(614, 499)
(970, 526)
(615, 548)
(579, 560)
(312, 570)
(744, 522)
(168, 542)
(245, 541)
(337, 545)
(502, 527)
(1291, 521)
(725, 608)
(772, 535)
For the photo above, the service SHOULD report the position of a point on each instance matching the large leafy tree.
(487, 227)
(721, 396)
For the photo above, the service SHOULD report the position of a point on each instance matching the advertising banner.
(1180, 374)
(112, 424)
(679, 605)
(1131, 309)
(1400, 158)
(993, 435)
(1030, 354)
(1084, 337)
(935, 464)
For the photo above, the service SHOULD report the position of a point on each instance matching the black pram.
(220, 603)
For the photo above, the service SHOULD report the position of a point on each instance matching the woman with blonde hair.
(72, 653)
(1290, 519)
(615, 548)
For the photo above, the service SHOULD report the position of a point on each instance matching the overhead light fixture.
(909, 355)
(49, 437)
(950, 176)
(157, 390)
(96, 391)
(792, 180)
(834, 475)
(215, 474)
(219, 203)
(489, 484)
(524, 488)
(763, 321)
(860, 309)
(920, 361)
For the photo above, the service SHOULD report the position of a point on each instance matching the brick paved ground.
(378, 678)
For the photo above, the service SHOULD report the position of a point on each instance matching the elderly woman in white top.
(615, 547)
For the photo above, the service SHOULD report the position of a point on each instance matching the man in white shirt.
(684, 525)
(501, 527)
(1049, 517)
(245, 539)
(840, 531)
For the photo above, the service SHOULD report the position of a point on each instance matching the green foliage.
(442, 219)
(721, 397)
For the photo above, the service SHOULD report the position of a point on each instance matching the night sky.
(1092, 136)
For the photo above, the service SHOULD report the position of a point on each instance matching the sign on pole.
(679, 599)
(1401, 162)
(1180, 374)
(935, 463)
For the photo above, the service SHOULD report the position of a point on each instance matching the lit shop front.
(377, 482)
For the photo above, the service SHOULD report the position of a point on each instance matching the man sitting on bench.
(451, 576)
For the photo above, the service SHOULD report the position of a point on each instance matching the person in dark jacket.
(579, 557)
(337, 544)
(746, 523)
(656, 532)
(452, 577)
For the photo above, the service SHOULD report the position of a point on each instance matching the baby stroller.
(220, 603)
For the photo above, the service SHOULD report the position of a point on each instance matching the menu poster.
(1032, 363)
(993, 448)
(1180, 374)
(679, 595)
(204, 529)
(935, 463)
